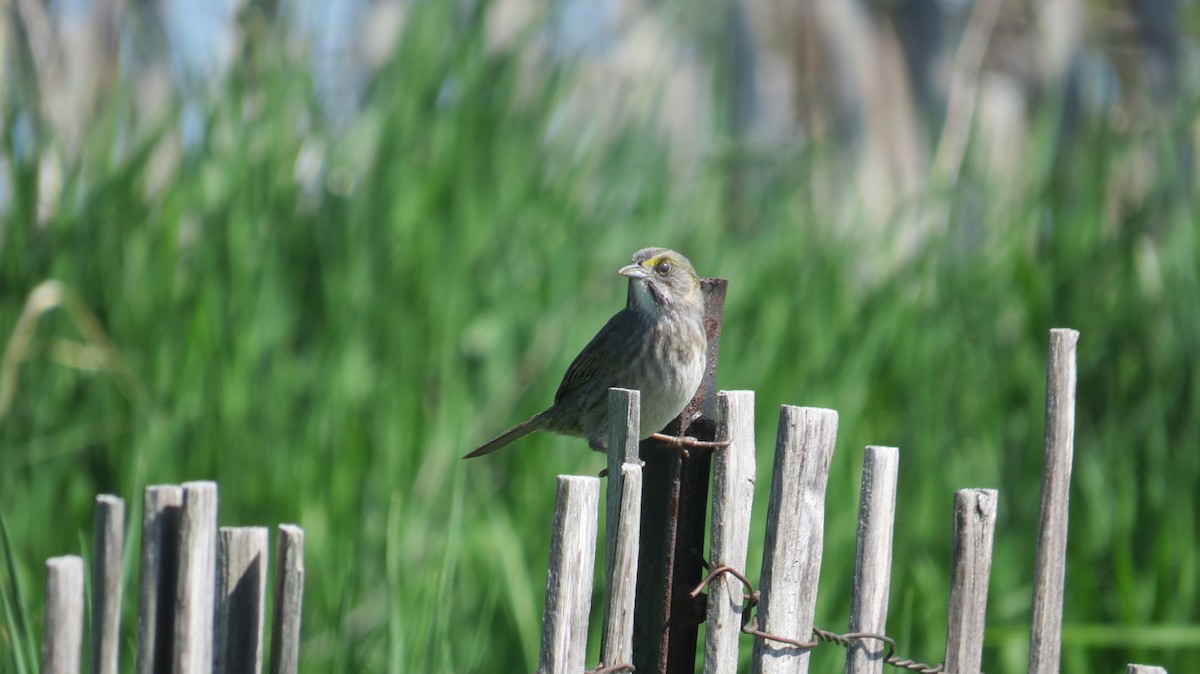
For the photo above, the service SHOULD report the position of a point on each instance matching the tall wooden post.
(1049, 576)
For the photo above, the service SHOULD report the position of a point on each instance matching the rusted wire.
(750, 626)
(723, 569)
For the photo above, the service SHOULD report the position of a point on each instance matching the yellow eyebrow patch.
(653, 262)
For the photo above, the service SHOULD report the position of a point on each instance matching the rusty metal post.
(666, 620)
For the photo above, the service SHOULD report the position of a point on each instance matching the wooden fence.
(202, 591)
(780, 614)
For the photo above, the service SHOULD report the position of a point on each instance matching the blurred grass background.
(322, 311)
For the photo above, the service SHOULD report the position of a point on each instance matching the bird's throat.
(645, 298)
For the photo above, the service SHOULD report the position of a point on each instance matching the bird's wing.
(599, 353)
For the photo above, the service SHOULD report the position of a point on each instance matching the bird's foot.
(684, 442)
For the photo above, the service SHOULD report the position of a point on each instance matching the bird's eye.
(663, 268)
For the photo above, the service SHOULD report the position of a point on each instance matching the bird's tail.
(513, 434)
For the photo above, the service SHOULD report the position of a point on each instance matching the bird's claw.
(683, 442)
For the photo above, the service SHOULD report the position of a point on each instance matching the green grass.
(327, 354)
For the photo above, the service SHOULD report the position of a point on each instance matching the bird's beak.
(633, 271)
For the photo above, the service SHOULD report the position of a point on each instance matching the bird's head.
(662, 280)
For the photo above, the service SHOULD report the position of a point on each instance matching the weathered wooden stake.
(197, 574)
(617, 642)
(795, 533)
(63, 636)
(623, 526)
(733, 499)
(159, 577)
(674, 505)
(241, 600)
(974, 529)
(873, 558)
(109, 548)
(1045, 634)
(569, 581)
(289, 595)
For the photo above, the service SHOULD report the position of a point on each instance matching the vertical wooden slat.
(197, 575)
(289, 595)
(241, 600)
(1045, 634)
(624, 414)
(974, 528)
(733, 499)
(795, 534)
(158, 578)
(109, 545)
(617, 645)
(569, 581)
(873, 558)
(63, 636)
